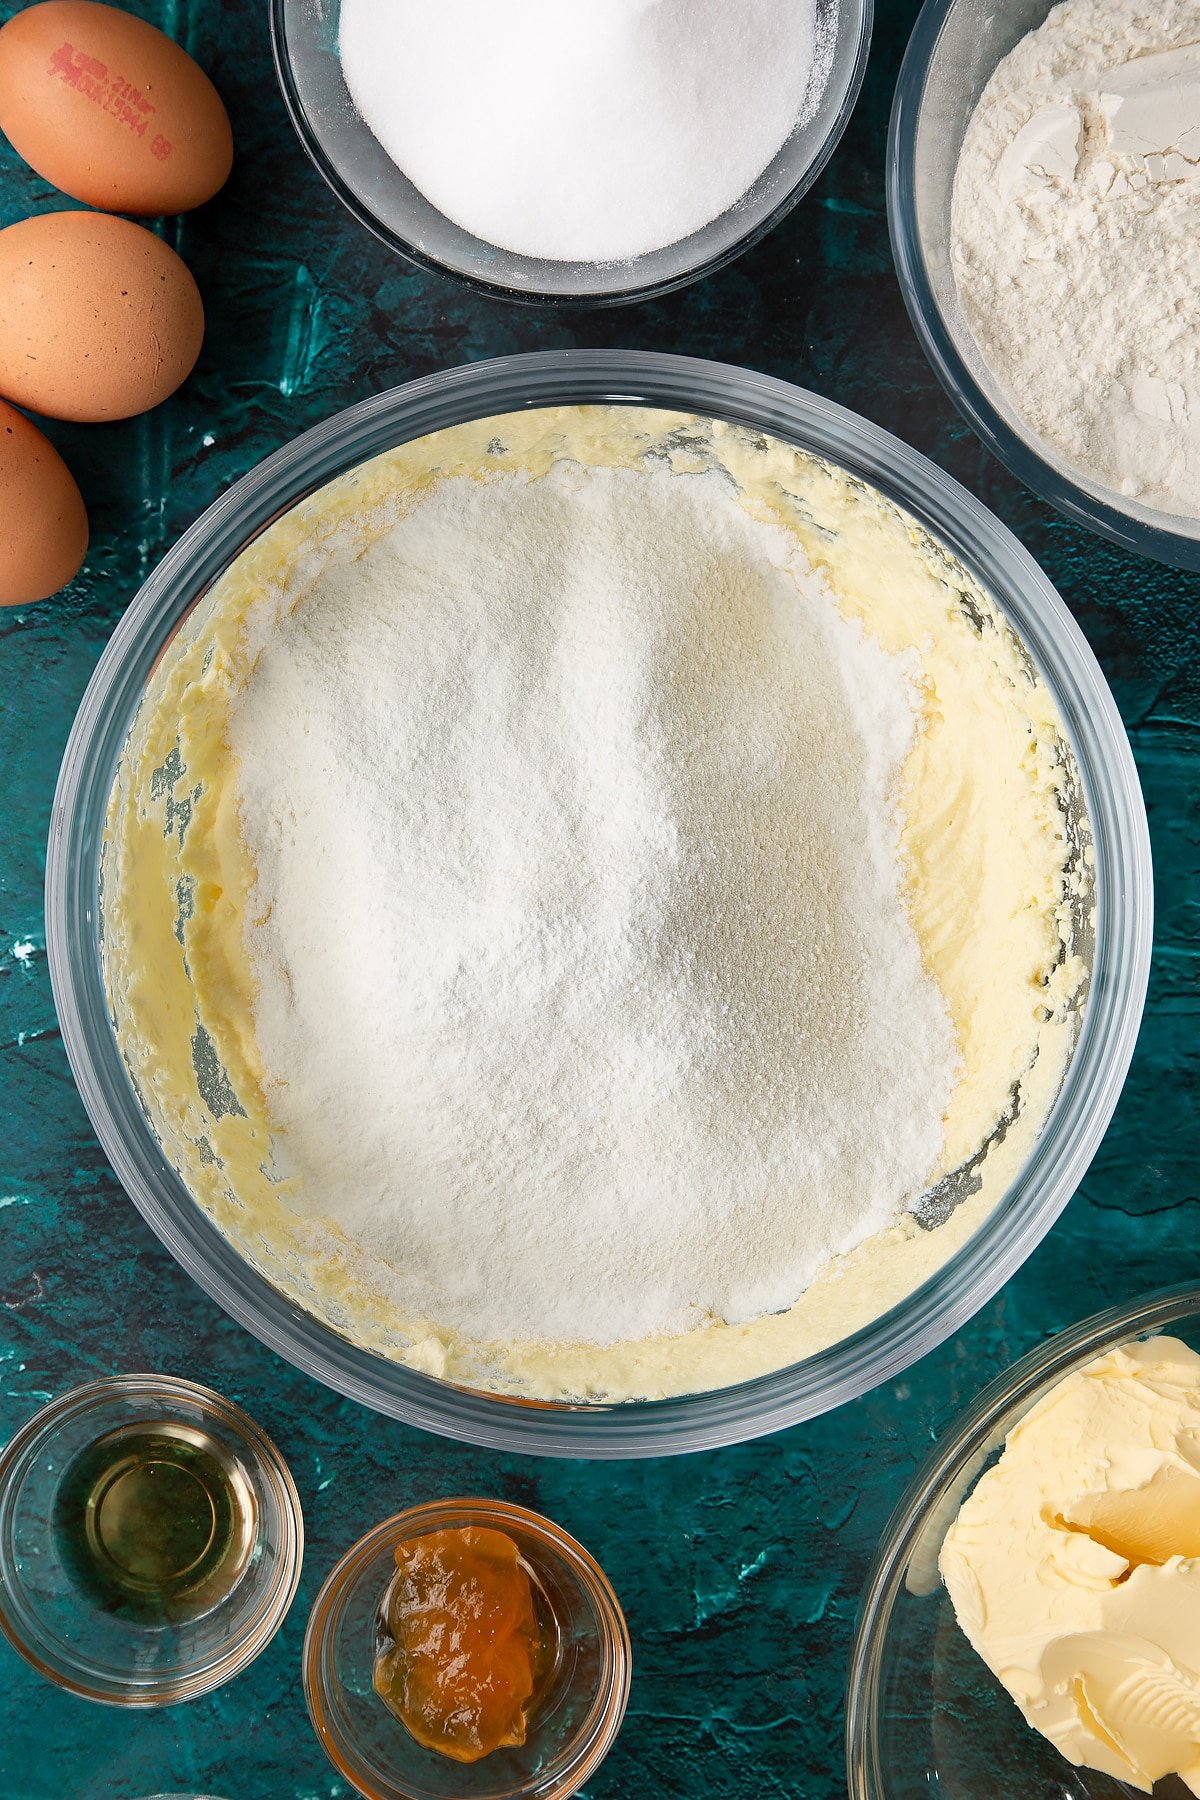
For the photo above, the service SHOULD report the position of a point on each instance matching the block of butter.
(1074, 1564)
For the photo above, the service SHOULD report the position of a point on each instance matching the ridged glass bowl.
(89, 1640)
(1095, 1074)
(574, 1716)
(925, 1717)
(380, 196)
(953, 52)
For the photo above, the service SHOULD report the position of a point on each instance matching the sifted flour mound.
(586, 992)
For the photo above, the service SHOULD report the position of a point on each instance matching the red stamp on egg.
(113, 94)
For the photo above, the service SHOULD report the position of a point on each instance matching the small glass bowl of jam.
(150, 1540)
(466, 1650)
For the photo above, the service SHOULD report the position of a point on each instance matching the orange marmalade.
(461, 1648)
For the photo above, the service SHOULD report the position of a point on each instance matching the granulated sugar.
(593, 130)
(586, 990)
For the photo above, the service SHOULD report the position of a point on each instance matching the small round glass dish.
(150, 1540)
(576, 1712)
(380, 196)
(326, 1348)
(925, 1716)
(954, 50)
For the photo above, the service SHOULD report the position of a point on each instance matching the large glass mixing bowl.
(1098, 1064)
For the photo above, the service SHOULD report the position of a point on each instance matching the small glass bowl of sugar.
(583, 138)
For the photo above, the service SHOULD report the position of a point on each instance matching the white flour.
(1076, 240)
(586, 989)
(590, 130)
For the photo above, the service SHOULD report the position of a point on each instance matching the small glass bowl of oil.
(150, 1540)
(574, 1713)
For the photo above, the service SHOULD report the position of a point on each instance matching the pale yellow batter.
(999, 893)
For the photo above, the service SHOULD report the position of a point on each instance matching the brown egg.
(99, 319)
(110, 110)
(43, 527)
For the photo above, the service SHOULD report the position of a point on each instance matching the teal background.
(739, 1570)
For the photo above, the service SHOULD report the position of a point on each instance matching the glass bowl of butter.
(1031, 1626)
(181, 1125)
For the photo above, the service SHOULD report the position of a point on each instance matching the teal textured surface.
(739, 1570)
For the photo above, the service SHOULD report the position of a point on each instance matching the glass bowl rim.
(288, 1551)
(1019, 454)
(604, 1719)
(1077, 1118)
(329, 172)
(967, 1436)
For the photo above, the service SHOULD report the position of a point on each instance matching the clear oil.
(156, 1522)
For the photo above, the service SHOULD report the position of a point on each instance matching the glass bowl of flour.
(599, 903)
(1043, 199)
(583, 155)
